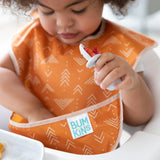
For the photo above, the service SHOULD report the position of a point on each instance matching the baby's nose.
(64, 21)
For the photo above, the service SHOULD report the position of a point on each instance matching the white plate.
(18, 147)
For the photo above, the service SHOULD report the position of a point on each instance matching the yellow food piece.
(1, 149)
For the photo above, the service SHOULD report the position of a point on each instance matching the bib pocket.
(92, 130)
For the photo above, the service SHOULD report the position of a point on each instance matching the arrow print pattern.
(51, 135)
(87, 150)
(100, 138)
(65, 78)
(70, 144)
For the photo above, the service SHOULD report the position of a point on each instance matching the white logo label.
(80, 125)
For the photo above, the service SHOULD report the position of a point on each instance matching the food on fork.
(90, 55)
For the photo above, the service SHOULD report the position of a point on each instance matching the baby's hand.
(40, 114)
(110, 67)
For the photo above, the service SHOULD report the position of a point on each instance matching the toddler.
(54, 97)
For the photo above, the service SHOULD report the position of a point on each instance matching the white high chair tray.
(20, 148)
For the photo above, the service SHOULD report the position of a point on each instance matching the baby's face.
(70, 20)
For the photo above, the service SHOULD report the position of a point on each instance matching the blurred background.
(143, 16)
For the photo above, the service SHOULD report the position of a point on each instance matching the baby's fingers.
(110, 78)
(103, 59)
(126, 83)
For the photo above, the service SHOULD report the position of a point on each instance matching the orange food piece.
(1, 149)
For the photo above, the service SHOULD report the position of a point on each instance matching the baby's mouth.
(67, 35)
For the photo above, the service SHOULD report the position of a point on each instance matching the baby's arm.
(15, 97)
(138, 102)
(136, 97)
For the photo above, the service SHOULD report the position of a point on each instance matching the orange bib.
(86, 115)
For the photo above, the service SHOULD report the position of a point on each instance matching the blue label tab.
(80, 125)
